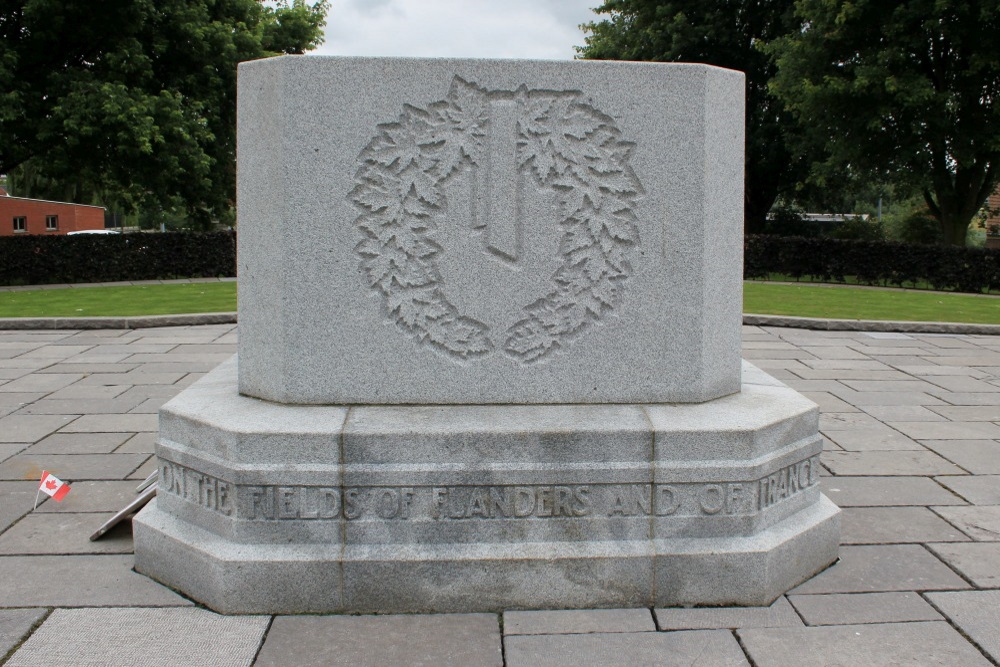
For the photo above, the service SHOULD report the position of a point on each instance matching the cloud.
(537, 29)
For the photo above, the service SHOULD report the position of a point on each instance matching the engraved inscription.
(449, 503)
(209, 492)
(559, 141)
(787, 482)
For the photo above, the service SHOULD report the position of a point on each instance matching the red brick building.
(19, 215)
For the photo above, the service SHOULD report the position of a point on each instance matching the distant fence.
(92, 258)
(947, 268)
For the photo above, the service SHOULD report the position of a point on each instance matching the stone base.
(264, 508)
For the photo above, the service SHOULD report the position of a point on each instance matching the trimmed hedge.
(947, 268)
(93, 258)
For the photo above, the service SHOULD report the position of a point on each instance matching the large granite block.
(489, 232)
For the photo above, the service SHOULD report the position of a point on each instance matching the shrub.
(91, 258)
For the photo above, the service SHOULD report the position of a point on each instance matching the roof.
(49, 201)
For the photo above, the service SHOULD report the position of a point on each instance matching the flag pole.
(38, 492)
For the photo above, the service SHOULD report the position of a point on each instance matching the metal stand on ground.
(146, 491)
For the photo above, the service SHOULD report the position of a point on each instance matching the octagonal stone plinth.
(264, 508)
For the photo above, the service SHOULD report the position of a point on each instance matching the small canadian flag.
(53, 486)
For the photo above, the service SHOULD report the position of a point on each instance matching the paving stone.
(963, 383)
(930, 370)
(439, 639)
(969, 413)
(779, 614)
(889, 491)
(980, 457)
(977, 615)
(40, 382)
(93, 496)
(31, 428)
(872, 439)
(145, 470)
(79, 581)
(80, 406)
(897, 567)
(16, 500)
(980, 522)
(150, 406)
(112, 424)
(65, 533)
(103, 379)
(9, 449)
(75, 392)
(15, 624)
(948, 430)
(704, 648)
(889, 463)
(827, 402)
(834, 351)
(577, 621)
(889, 385)
(934, 643)
(79, 443)
(961, 398)
(140, 443)
(909, 413)
(894, 525)
(857, 608)
(71, 467)
(979, 562)
(843, 421)
(867, 398)
(977, 489)
(18, 400)
(149, 637)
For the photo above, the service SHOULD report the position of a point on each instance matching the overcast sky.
(546, 29)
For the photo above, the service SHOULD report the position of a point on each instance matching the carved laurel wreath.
(569, 146)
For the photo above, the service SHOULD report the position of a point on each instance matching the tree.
(134, 101)
(726, 34)
(902, 92)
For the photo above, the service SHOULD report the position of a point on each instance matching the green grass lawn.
(868, 304)
(129, 300)
(762, 298)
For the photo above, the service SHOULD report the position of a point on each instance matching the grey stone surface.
(977, 615)
(979, 562)
(577, 621)
(56, 533)
(895, 463)
(79, 581)
(79, 443)
(18, 498)
(981, 523)
(93, 496)
(704, 648)
(459, 640)
(484, 293)
(70, 467)
(779, 614)
(881, 645)
(29, 428)
(889, 491)
(898, 567)
(862, 440)
(858, 608)
(889, 525)
(980, 457)
(15, 624)
(155, 637)
(977, 489)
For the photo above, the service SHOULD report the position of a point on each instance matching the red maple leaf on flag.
(50, 484)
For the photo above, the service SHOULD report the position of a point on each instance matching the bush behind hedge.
(947, 268)
(92, 258)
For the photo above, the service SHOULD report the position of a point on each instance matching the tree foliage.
(727, 34)
(134, 101)
(904, 92)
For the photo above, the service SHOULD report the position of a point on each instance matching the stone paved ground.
(912, 424)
